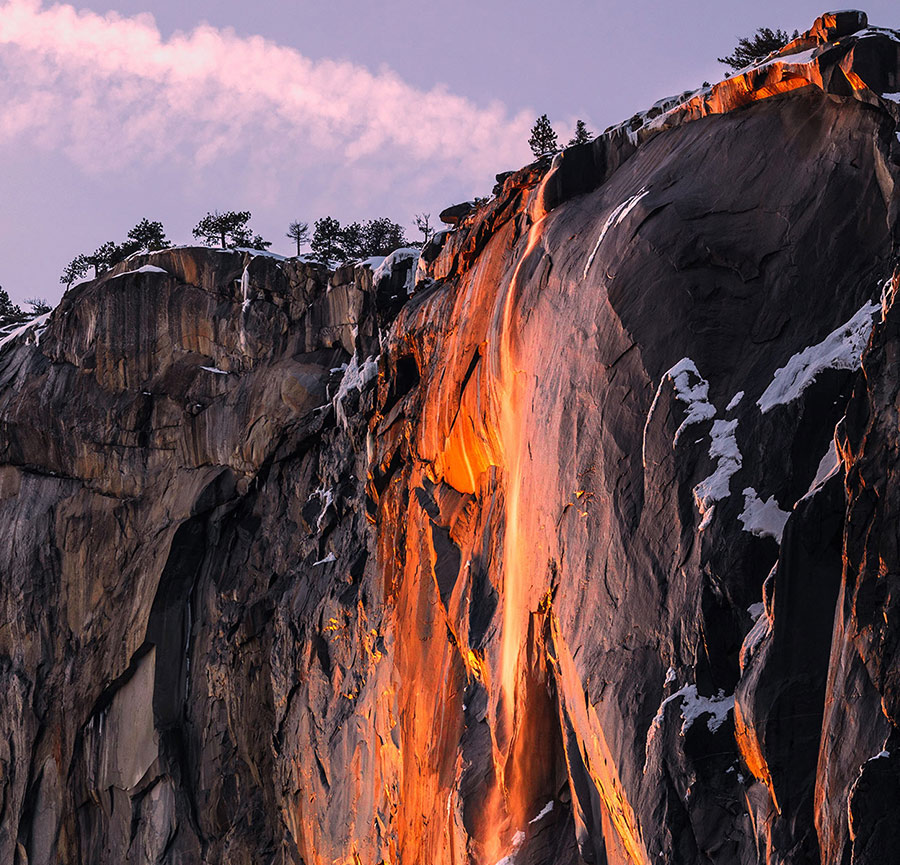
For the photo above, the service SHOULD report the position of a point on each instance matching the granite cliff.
(572, 540)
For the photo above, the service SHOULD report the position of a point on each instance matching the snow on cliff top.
(34, 328)
(147, 268)
(385, 269)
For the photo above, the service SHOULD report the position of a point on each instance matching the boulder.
(456, 213)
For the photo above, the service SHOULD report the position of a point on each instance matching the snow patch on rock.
(694, 394)
(245, 289)
(841, 349)
(829, 465)
(693, 390)
(694, 706)
(755, 636)
(517, 841)
(147, 268)
(797, 58)
(31, 330)
(356, 377)
(543, 813)
(762, 518)
(326, 497)
(614, 219)
(386, 267)
(373, 262)
(260, 253)
(716, 487)
(735, 400)
(871, 31)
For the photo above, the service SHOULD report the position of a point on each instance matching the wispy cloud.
(110, 92)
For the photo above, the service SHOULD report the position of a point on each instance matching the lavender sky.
(113, 110)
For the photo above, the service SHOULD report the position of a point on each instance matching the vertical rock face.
(582, 551)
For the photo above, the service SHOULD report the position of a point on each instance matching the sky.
(116, 110)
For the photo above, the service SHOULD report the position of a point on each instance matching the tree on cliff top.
(229, 230)
(149, 235)
(101, 259)
(353, 241)
(75, 270)
(423, 223)
(39, 305)
(332, 242)
(9, 312)
(382, 236)
(109, 254)
(12, 315)
(543, 138)
(299, 233)
(581, 136)
(327, 240)
(761, 44)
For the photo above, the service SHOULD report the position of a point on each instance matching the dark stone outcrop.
(585, 552)
(454, 214)
(836, 25)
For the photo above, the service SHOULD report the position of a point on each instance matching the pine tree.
(333, 243)
(228, 230)
(75, 270)
(148, 235)
(106, 255)
(299, 233)
(382, 236)
(244, 238)
(756, 47)
(543, 138)
(353, 241)
(582, 136)
(9, 313)
(327, 243)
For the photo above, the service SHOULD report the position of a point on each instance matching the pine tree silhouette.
(581, 136)
(543, 138)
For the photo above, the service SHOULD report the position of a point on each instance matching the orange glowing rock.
(752, 751)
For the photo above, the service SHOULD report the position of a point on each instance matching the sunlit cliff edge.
(572, 540)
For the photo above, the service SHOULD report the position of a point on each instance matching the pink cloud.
(111, 92)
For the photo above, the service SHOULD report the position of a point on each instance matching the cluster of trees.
(755, 47)
(543, 140)
(229, 230)
(332, 241)
(146, 236)
(329, 240)
(12, 314)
